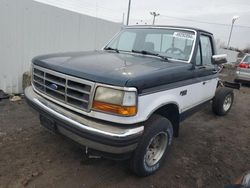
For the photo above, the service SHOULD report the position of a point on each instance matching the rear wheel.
(153, 146)
(223, 101)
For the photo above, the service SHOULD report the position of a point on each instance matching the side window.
(198, 56)
(206, 50)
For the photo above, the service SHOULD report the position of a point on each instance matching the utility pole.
(129, 3)
(154, 14)
(233, 21)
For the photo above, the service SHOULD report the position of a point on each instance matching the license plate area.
(48, 123)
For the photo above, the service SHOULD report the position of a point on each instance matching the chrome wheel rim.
(227, 103)
(156, 148)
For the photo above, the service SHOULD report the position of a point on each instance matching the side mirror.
(219, 59)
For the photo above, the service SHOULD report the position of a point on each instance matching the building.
(30, 28)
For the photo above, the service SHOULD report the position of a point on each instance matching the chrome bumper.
(99, 135)
(242, 75)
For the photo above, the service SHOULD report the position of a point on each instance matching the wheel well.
(171, 112)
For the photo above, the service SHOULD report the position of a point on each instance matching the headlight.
(115, 101)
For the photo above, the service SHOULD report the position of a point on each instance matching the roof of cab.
(168, 26)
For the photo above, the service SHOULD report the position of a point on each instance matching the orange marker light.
(115, 109)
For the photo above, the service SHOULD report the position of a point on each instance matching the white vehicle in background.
(243, 70)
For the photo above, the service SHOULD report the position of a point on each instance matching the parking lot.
(211, 151)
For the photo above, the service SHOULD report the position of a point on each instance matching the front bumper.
(102, 136)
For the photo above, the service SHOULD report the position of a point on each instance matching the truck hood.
(119, 69)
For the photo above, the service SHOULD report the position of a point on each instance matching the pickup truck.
(127, 100)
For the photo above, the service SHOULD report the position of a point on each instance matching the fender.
(164, 104)
(149, 103)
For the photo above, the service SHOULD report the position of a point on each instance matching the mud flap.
(232, 85)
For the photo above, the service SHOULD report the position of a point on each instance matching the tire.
(223, 101)
(156, 128)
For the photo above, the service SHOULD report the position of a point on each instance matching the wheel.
(153, 147)
(223, 101)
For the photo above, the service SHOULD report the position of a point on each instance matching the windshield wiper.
(114, 49)
(150, 53)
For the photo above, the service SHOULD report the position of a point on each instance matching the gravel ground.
(210, 152)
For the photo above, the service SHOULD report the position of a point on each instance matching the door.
(204, 70)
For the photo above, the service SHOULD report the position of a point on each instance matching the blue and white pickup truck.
(127, 100)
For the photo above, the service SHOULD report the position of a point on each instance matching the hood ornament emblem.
(53, 86)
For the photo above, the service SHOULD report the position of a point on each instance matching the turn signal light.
(115, 109)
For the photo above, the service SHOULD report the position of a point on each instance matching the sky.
(217, 14)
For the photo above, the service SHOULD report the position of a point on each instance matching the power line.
(204, 22)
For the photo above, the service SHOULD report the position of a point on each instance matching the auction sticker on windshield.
(184, 35)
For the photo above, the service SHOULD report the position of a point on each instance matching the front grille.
(63, 88)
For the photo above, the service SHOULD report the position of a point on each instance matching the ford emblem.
(53, 86)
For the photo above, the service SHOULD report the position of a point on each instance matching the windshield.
(171, 43)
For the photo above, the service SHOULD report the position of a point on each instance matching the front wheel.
(223, 101)
(153, 146)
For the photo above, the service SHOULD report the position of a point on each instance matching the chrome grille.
(64, 88)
